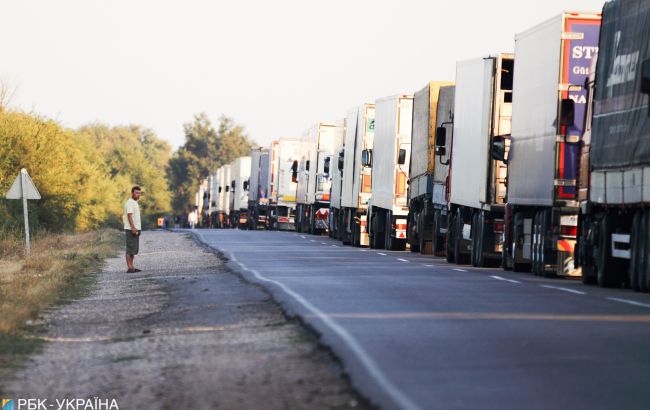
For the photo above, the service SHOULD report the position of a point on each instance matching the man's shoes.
(133, 270)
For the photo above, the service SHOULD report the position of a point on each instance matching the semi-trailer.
(425, 214)
(614, 219)
(241, 171)
(334, 168)
(284, 185)
(389, 160)
(548, 113)
(482, 112)
(312, 200)
(223, 199)
(258, 199)
(356, 181)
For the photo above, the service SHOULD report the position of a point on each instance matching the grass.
(60, 269)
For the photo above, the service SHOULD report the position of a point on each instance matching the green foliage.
(84, 176)
(205, 150)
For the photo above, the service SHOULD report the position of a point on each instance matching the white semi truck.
(258, 198)
(389, 159)
(241, 171)
(335, 172)
(223, 198)
(548, 113)
(284, 160)
(356, 182)
(425, 214)
(312, 201)
(482, 113)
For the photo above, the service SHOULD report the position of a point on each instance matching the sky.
(275, 67)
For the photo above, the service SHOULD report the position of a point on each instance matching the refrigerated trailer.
(258, 199)
(548, 113)
(425, 214)
(389, 160)
(241, 171)
(312, 201)
(482, 111)
(614, 219)
(356, 181)
(334, 168)
(284, 185)
(223, 198)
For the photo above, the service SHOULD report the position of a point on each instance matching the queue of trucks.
(536, 161)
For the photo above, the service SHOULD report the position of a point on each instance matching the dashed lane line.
(629, 302)
(382, 254)
(402, 260)
(504, 279)
(460, 270)
(577, 292)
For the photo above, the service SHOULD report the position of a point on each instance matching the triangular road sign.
(16, 190)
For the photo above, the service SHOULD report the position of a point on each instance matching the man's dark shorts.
(132, 242)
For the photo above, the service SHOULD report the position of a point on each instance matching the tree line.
(84, 175)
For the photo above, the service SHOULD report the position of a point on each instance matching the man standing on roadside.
(132, 227)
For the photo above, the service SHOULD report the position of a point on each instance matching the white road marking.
(504, 279)
(371, 366)
(312, 240)
(459, 270)
(335, 246)
(577, 292)
(323, 243)
(303, 236)
(400, 259)
(629, 302)
(429, 266)
(382, 254)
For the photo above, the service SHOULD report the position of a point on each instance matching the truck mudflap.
(566, 245)
(321, 218)
(364, 240)
(400, 228)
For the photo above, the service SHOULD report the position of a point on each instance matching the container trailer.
(258, 199)
(424, 213)
(477, 187)
(223, 198)
(548, 113)
(312, 201)
(335, 172)
(283, 188)
(356, 181)
(241, 171)
(614, 219)
(389, 160)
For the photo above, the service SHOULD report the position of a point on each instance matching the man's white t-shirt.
(131, 207)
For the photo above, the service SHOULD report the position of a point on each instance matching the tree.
(205, 150)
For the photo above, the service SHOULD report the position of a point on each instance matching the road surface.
(415, 332)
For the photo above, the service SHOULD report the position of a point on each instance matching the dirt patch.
(184, 332)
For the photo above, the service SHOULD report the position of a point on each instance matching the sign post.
(24, 188)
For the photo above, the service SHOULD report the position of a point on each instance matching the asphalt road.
(415, 332)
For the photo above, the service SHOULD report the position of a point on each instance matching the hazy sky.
(276, 67)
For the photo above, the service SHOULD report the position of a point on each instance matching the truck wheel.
(544, 253)
(388, 239)
(436, 242)
(535, 246)
(459, 257)
(413, 227)
(605, 269)
(475, 239)
(637, 251)
(424, 245)
(586, 252)
(480, 259)
(644, 274)
(516, 251)
(451, 239)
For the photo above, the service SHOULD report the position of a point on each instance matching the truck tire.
(605, 265)
(451, 239)
(637, 252)
(459, 257)
(475, 239)
(377, 238)
(436, 238)
(544, 253)
(518, 266)
(424, 245)
(413, 227)
(644, 274)
(534, 266)
(586, 252)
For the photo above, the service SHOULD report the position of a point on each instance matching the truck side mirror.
(401, 157)
(645, 77)
(341, 162)
(567, 112)
(307, 165)
(232, 185)
(441, 136)
(499, 149)
(366, 157)
(245, 185)
(294, 171)
(227, 188)
(219, 190)
(326, 166)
